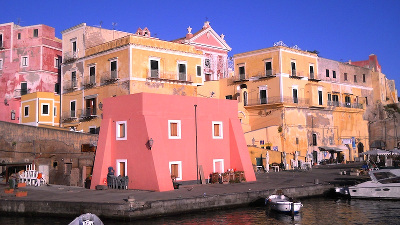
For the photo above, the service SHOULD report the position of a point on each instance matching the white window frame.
(179, 168)
(94, 66)
(2, 40)
(1, 64)
(178, 122)
(118, 168)
(26, 115)
(221, 129)
(201, 71)
(265, 66)
(159, 68)
(295, 67)
(111, 61)
(56, 62)
(22, 61)
(41, 109)
(92, 127)
(74, 53)
(222, 165)
(117, 134)
(263, 88)
(309, 71)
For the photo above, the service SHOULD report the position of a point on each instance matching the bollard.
(316, 181)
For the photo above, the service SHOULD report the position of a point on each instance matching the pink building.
(215, 50)
(130, 121)
(29, 59)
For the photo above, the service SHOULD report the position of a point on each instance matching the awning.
(376, 152)
(331, 149)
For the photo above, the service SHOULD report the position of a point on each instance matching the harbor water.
(314, 211)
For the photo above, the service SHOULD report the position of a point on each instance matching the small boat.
(87, 218)
(282, 203)
(384, 184)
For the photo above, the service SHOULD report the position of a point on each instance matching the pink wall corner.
(240, 156)
(103, 155)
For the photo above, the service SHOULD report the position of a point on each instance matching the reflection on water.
(314, 211)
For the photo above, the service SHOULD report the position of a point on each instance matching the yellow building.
(40, 108)
(288, 104)
(125, 65)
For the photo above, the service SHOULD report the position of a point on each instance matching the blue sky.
(339, 30)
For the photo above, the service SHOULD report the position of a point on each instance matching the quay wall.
(132, 209)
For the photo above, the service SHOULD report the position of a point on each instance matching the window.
(364, 80)
(121, 130)
(1, 41)
(329, 99)
(45, 109)
(35, 32)
(345, 76)
(92, 74)
(355, 78)
(207, 63)
(228, 97)
(175, 168)
(26, 111)
(335, 100)
(314, 139)
(56, 62)
(294, 91)
(55, 111)
(312, 71)
(1, 64)
(154, 68)
(245, 98)
(174, 129)
(19, 36)
(327, 73)
(74, 49)
(198, 71)
(92, 129)
(24, 88)
(24, 61)
(217, 130)
(333, 74)
(218, 166)
(242, 74)
(122, 167)
(293, 66)
(263, 94)
(347, 100)
(72, 107)
(182, 71)
(73, 79)
(319, 96)
(12, 115)
(366, 100)
(114, 69)
(90, 106)
(268, 68)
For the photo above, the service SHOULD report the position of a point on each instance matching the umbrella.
(267, 162)
(376, 152)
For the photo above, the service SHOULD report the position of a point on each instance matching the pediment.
(209, 38)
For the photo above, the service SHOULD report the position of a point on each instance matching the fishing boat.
(384, 184)
(282, 203)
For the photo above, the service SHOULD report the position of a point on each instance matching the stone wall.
(54, 150)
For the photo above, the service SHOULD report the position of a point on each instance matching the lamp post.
(197, 159)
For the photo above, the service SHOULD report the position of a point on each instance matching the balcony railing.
(109, 77)
(89, 82)
(156, 75)
(345, 104)
(240, 78)
(19, 92)
(70, 85)
(69, 115)
(278, 100)
(88, 113)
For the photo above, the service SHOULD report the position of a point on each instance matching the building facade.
(121, 64)
(215, 50)
(40, 108)
(186, 139)
(29, 62)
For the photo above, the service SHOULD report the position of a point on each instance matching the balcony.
(266, 75)
(109, 77)
(89, 82)
(277, 100)
(69, 115)
(296, 74)
(240, 78)
(88, 113)
(313, 78)
(156, 75)
(19, 92)
(69, 86)
(345, 105)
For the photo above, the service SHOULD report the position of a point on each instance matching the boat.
(87, 218)
(384, 184)
(282, 203)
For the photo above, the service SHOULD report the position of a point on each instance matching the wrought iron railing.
(19, 92)
(277, 100)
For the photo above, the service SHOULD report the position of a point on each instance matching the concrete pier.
(134, 204)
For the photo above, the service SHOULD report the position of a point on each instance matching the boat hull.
(282, 203)
(373, 190)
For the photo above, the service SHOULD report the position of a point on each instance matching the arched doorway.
(360, 147)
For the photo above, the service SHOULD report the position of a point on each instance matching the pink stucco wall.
(40, 74)
(147, 117)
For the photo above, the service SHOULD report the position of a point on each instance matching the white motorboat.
(384, 184)
(87, 219)
(282, 203)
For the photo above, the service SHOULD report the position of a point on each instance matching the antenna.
(18, 21)
(114, 25)
(101, 23)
